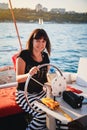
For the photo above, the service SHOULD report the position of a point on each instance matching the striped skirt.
(38, 121)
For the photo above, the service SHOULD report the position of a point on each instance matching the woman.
(37, 52)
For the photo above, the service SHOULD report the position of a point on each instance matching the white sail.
(40, 21)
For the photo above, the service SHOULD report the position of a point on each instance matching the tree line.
(27, 15)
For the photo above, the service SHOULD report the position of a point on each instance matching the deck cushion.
(8, 105)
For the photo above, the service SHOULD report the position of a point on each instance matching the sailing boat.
(40, 20)
(13, 117)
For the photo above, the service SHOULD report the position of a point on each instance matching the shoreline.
(45, 22)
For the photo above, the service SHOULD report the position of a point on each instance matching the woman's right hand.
(33, 70)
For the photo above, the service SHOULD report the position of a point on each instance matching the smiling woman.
(37, 52)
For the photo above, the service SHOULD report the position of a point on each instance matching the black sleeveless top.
(40, 76)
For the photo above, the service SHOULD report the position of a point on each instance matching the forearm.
(22, 77)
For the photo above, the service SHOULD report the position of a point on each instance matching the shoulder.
(24, 54)
(45, 56)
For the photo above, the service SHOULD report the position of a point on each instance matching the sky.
(69, 5)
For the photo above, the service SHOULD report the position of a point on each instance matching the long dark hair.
(38, 34)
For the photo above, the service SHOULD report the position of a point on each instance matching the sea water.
(69, 42)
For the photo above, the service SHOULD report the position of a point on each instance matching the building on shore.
(39, 7)
(3, 6)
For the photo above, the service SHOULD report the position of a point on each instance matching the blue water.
(69, 42)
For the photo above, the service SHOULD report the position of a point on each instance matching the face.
(39, 44)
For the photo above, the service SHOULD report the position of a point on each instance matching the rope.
(15, 24)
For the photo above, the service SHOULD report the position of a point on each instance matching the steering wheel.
(30, 77)
(58, 83)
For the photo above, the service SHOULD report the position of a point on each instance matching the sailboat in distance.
(40, 20)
